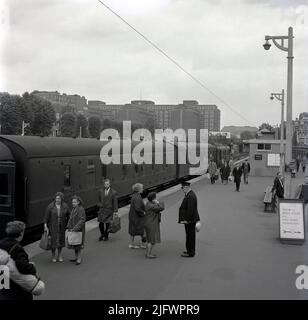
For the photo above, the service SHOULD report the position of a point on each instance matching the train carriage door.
(7, 194)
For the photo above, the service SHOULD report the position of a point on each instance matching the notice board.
(291, 221)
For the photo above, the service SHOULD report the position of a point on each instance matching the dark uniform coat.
(19, 255)
(57, 225)
(107, 205)
(77, 223)
(189, 208)
(152, 221)
(136, 215)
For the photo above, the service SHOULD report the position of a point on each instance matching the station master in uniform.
(189, 216)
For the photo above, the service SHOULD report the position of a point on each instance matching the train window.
(5, 197)
(67, 176)
(90, 166)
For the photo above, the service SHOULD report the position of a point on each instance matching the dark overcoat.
(225, 171)
(136, 215)
(246, 168)
(189, 208)
(19, 255)
(278, 187)
(57, 226)
(107, 205)
(77, 222)
(152, 221)
(237, 174)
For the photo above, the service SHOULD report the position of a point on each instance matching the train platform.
(239, 255)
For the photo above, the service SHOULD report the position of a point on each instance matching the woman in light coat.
(77, 223)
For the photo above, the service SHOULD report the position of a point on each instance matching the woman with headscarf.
(136, 217)
(153, 210)
(56, 217)
(77, 223)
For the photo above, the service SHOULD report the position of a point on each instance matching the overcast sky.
(79, 47)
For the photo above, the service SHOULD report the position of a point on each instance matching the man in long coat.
(278, 186)
(224, 172)
(108, 206)
(189, 216)
(246, 170)
(237, 174)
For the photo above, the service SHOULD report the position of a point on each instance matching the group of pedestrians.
(144, 220)
(229, 171)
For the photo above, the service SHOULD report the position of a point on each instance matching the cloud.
(80, 47)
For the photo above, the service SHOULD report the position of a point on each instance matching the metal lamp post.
(280, 97)
(289, 49)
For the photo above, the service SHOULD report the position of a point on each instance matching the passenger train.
(33, 169)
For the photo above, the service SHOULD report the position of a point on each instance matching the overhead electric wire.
(174, 61)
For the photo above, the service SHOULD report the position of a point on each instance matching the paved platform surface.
(238, 256)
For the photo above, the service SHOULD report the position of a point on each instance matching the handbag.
(115, 225)
(45, 242)
(74, 238)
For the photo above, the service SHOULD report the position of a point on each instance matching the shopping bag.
(45, 242)
(115, 225)
(74, 238)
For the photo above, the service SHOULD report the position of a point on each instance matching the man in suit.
(108, 207)
(189, 216)
(237, 174)
(246, 170)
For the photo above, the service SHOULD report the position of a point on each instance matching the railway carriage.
(32, 169)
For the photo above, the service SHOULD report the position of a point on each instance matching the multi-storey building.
(101, 110)
(137, 112)
(59, 101)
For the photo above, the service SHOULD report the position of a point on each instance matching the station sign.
(258, 156)
(291, 221)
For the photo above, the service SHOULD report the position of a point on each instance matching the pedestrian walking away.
(189, 216)
(237, 174)
(224, 172)
(153, 210)
(77, 227)
(136, 217)
(212, 171)
(55, 222)
(246, 170)
(108, 208)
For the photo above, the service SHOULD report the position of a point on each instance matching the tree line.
(40, 117)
